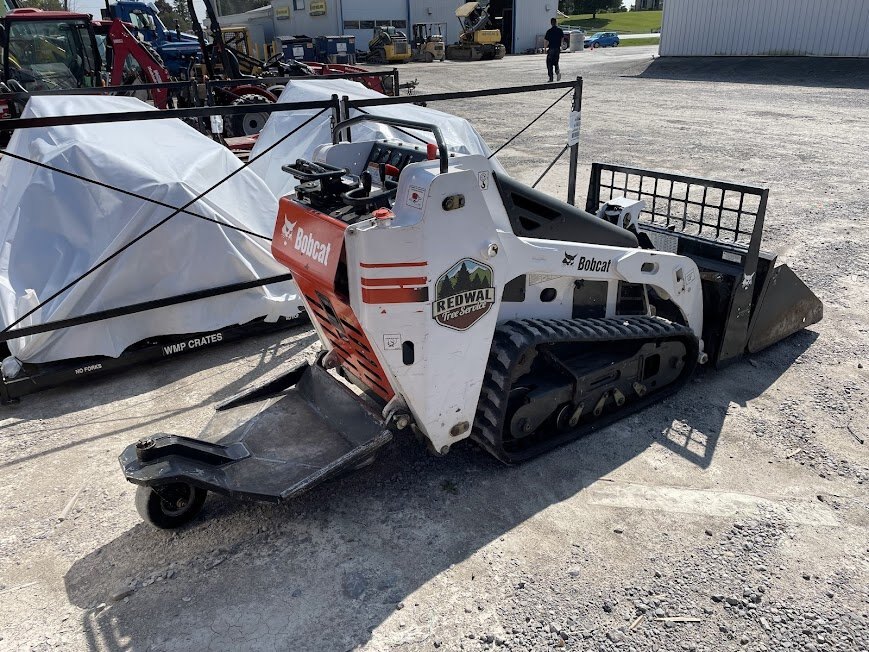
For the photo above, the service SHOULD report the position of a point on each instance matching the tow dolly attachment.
(457, 302)
(271, 444)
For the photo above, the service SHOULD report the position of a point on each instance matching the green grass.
(625, 22)
(629, 42)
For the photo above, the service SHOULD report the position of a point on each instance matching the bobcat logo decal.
(287, 230)
(568, 259)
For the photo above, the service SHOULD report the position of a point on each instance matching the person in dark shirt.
(554, 37)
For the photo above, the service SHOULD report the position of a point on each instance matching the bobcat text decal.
(308, 245)
(586, 264)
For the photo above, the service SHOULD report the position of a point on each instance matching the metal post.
(395, 90)
(337, 112)
(574, 149)
(194, 100)
(344, 114)
(213, 124)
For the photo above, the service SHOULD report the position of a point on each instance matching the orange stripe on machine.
(394, 282)
(394, 295)
(384, 265)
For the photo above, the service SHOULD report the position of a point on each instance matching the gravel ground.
(732, 516)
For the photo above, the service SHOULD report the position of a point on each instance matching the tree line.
(464, 281)
(171, 11)
(571, 7)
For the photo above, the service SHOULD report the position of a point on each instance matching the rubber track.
(514, 337)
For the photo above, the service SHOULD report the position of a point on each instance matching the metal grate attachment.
(708, 209)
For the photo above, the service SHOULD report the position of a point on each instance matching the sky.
(94, 6)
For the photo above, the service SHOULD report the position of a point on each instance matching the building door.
(502, 14)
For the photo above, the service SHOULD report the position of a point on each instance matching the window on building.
(351, 24)
(400, 24)
(366, 24)
(298, 5)
(383, 23)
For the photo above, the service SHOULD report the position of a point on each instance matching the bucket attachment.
(785, 306)
(271, 444)
(748, 302)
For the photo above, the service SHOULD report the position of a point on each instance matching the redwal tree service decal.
(463, 294)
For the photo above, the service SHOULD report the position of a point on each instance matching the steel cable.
(554, 161)
(160, 223)
(512, 138)
(525, 128)
(130, 193)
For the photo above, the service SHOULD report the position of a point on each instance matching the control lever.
(361, 198)
(321, 179)
(306, 171)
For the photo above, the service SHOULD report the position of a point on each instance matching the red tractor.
(48, 50)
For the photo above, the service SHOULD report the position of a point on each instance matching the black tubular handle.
(443, 154)
(308, 171)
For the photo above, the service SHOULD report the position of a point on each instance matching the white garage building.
(520, 21)
(816, 28)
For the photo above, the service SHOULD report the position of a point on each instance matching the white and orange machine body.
(454, 302)
(375, 286)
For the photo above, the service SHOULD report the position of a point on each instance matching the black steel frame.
(192, 86)
(43, 376)
(745, 223)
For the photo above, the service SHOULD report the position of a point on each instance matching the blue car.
(602, 40)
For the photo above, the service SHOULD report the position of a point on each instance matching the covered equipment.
(56, 227)
(272, 155)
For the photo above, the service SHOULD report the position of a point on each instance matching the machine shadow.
(787, 71)
(324, 571)
(130, 384)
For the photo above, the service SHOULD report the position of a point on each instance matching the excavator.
(453, 302)
(476, 40)
(129, 61)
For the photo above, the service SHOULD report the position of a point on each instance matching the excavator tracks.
(549, 381)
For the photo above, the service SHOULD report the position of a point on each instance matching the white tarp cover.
(458, 133)
(54, 227)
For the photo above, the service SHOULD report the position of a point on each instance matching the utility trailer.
(455, 302)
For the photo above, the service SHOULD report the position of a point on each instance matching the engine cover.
(311, 245)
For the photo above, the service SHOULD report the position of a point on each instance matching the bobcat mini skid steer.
(454, 302)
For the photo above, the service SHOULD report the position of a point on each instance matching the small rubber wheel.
(176, 504)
